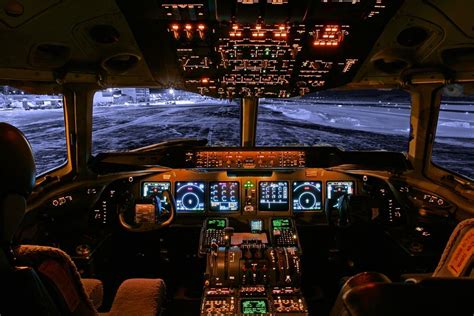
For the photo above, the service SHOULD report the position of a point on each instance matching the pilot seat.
(46, 278)
(448, 290)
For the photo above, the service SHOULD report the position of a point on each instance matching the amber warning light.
(329, 36)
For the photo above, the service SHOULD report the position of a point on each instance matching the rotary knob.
(83, 250)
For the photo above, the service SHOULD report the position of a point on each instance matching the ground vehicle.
(419, 45)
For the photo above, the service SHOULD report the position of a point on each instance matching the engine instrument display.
(336, 189)
(273, 196)
(254, 306)
(190, 197)
(224, 196)
(307, 196)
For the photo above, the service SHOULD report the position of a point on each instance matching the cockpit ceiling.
(235, 48)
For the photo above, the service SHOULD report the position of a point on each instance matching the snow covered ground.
(360, 125)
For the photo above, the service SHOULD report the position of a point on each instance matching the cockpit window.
(453, 147)
(131, 118)
(41, 119)
(351, 120)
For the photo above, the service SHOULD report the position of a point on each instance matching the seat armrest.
(95, 290)
(139, 297)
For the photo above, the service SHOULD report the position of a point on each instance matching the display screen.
(307, 196)
(256, 225)
(336, 189)
(281, 223)
(224, 196)
(190, 197)
(152, 188)
(216, 223)
(254, 306)
(152, 192)
(273, 196)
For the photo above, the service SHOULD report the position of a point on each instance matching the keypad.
(216, 235)
(284, 237)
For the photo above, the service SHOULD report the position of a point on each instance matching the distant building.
(122, 95)
(142, 95)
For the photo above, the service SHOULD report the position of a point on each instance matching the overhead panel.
(270, 48)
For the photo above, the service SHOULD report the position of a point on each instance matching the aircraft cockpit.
(236, 157)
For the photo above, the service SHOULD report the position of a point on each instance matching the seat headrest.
(17, 165)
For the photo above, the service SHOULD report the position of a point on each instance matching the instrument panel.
(219, 192)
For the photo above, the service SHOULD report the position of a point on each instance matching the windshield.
(130, 118)
(351, 120)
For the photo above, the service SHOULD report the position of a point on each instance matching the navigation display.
(190, 197)
(336, 189)
(224, 196)
(273, 196)
(253, 306)
(307, 196)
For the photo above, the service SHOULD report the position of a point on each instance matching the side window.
(41, 119)
(453, 147)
